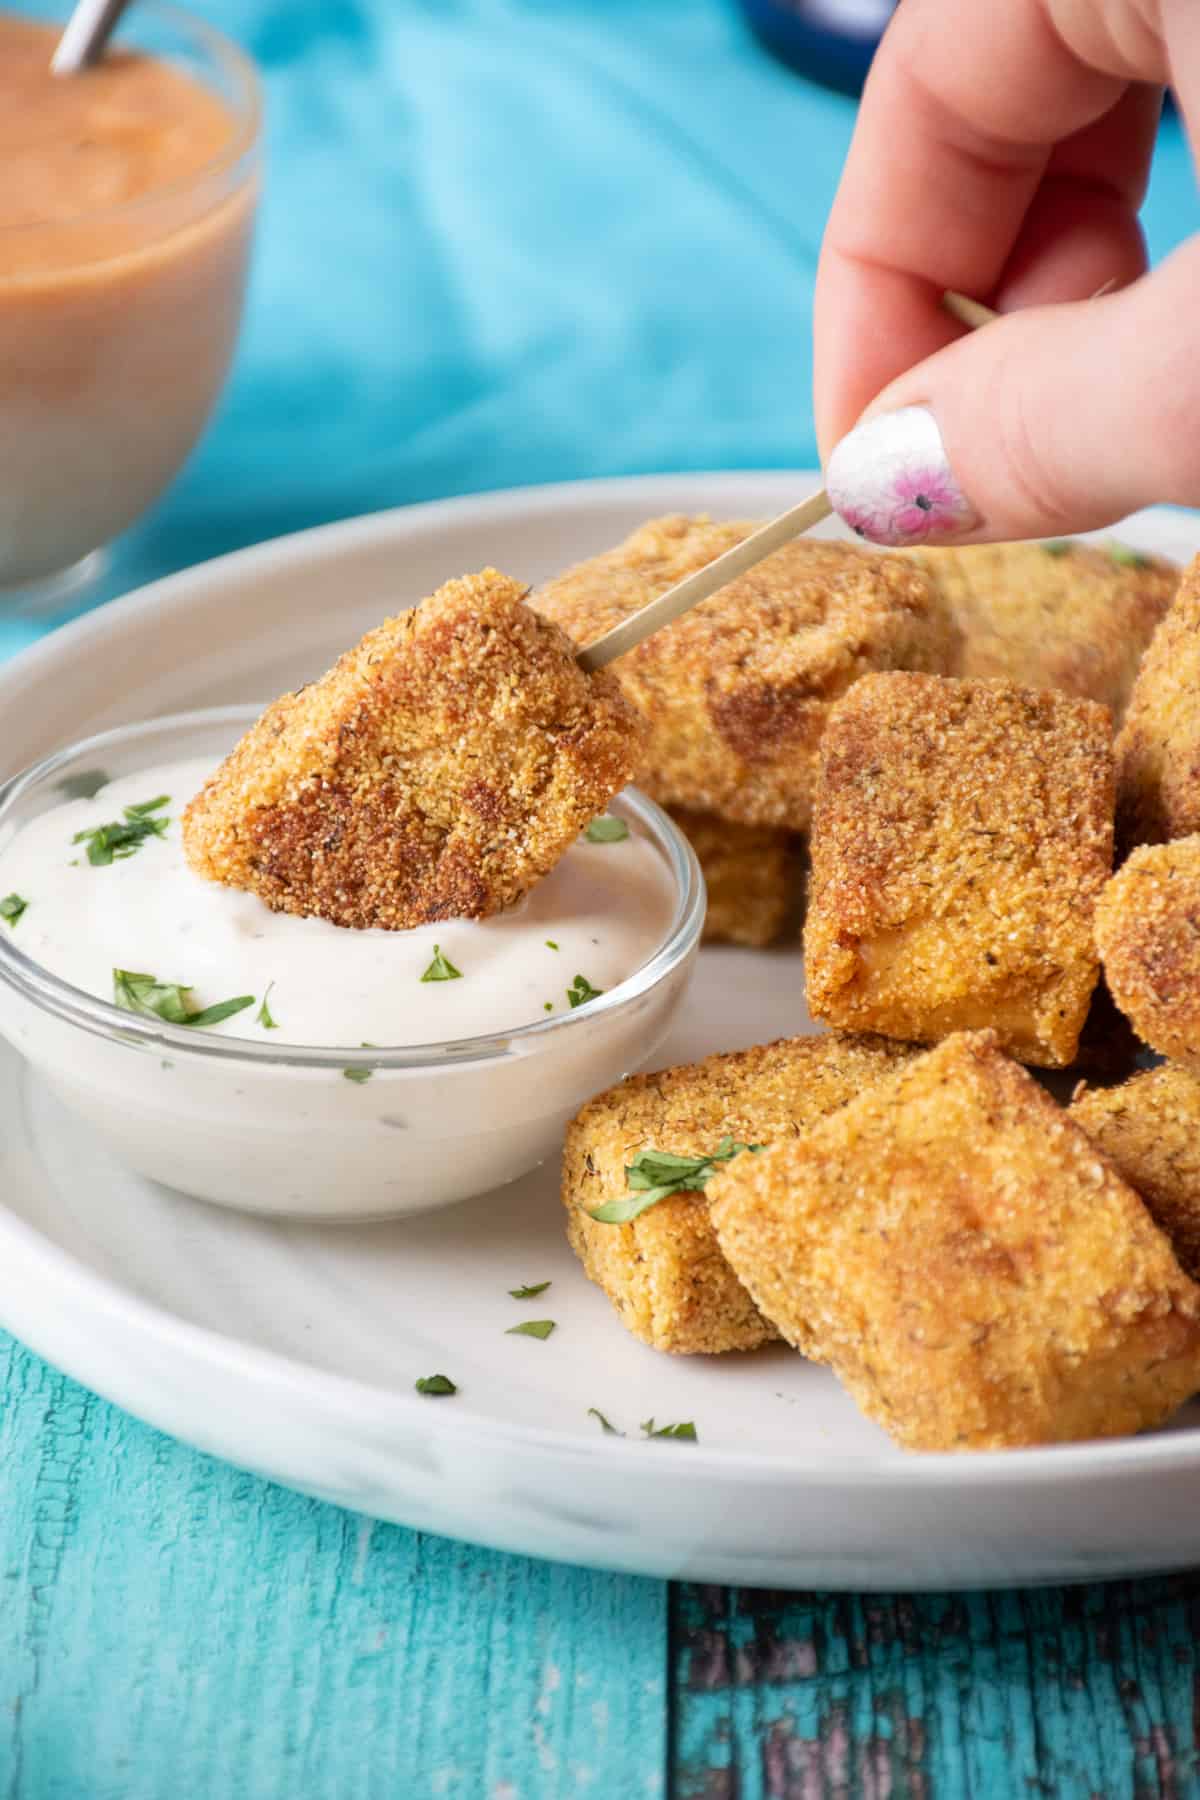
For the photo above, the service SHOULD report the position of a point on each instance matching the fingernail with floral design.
(891, 481)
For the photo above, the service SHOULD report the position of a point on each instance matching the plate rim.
(1171, 1451)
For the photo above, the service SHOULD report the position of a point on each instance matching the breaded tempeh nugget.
(962, 832)
(1158, 749)
(1149, 1129)
(1148, 933)
(736, 691)
(967, 1262)
(437, 771)
(753, 874)
(1065, 615)
(662, 1271)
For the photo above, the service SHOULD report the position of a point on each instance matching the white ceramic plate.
(292, 1350)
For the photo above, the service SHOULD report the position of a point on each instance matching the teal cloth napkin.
(510, 241)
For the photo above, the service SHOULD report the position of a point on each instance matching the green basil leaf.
(606, 830)
(441, 968)
(168, 1000)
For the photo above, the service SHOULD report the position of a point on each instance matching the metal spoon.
(86, 33)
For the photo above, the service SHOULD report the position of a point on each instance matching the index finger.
(961, 116)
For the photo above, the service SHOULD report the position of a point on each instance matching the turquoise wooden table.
(510, 241)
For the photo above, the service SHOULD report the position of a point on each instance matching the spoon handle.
(85, 34)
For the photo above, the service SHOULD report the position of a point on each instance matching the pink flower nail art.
(891, 481)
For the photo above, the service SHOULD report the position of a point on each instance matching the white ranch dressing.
(606, 906)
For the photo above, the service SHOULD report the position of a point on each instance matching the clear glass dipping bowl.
(278, 1129)
(117, 326)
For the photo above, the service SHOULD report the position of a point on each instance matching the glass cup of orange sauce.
(127, 198)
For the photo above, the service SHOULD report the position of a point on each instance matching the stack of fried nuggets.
(736, 693)
(979, 1266)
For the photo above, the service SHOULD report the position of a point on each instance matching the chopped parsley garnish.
(441, 968)
(118, 839)
(357, 1074)
(685, 1429)
(538, 1328)
(84, 786)
(606, 830)
(1127, 558)
(11, 907)
(550, 944)
(529, 1293)
(1058, 546)
(652, 1175)
(168, 1000)
(581, 991)
(264, 1015)
(548, 1006)
(606, 1426)
(435, 1384)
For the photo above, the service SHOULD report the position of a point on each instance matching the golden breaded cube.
(1149, 1129)
(961, 835)
(1148, 933)
(753, 874)
(736, 692)
(663, 1272)
(967, 1262)
(1063, 615)
(1158, 749)
(437, 771)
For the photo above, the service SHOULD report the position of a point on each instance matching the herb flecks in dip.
(144, 927)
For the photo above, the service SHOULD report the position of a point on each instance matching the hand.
(1003, 150)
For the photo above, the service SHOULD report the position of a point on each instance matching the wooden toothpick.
(703, 583)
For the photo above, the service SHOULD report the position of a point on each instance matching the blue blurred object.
(830, 41)
(510, 241)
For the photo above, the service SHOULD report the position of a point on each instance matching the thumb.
(1048, 421)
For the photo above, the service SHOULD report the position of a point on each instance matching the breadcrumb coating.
(962, 832)
(438, 770)
(971, 1267)
(754, 877)
(1148, 933)
(663, 1272)
(1065, 615)
(1149, 1129)
(1158, 749)
(737, 691)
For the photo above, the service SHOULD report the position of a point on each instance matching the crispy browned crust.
(1149, 1129)
(962, 832)
(1148, 932)
(1070, 616)
(1158, 750)
(737, 691)
(437, 771)
(754, 876)
(663, 1272)
(974, 1271)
